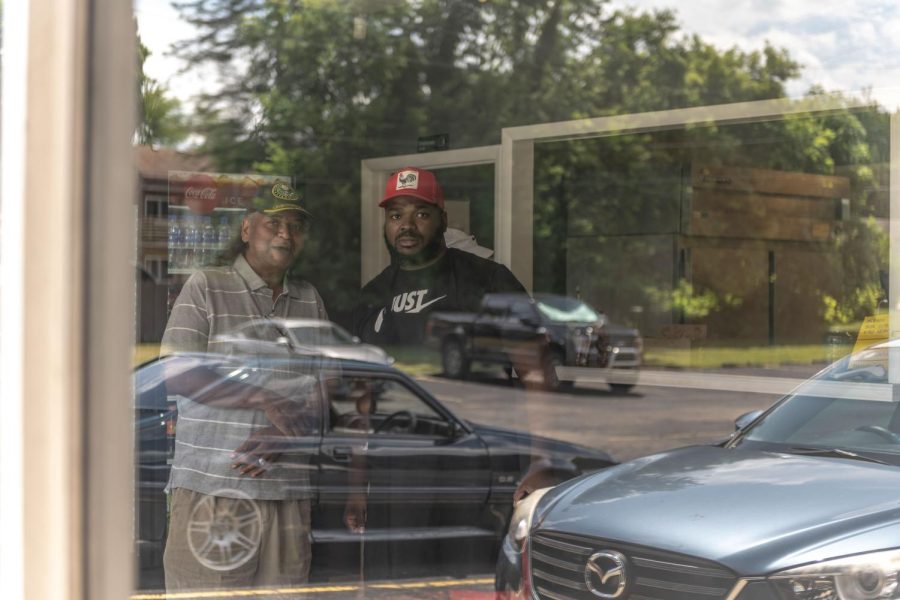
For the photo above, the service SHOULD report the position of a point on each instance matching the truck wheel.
(621, 388)
(454, 360)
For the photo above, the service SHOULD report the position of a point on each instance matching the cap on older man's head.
(276, 198)
(418, 183)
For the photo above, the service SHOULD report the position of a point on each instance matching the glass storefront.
(398, 267)
(688, 238)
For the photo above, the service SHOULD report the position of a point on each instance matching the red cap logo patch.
(407, 180)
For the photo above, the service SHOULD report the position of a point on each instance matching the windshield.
(849, 406)
(326, 334)
(566, 310)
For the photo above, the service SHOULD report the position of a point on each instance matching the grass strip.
(422, 362)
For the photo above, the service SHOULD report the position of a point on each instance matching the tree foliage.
(310, 87)
(161, 121)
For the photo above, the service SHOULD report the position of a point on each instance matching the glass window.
(321, 333)
(384, 407)
(696, 201)
(565, 310)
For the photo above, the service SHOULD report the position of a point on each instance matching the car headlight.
(523, 514)
(863, 577)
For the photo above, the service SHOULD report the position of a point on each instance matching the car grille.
(558, 565)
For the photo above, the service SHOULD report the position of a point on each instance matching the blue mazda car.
(802, 502)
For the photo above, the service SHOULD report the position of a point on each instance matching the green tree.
(310, 87)
(161, 121)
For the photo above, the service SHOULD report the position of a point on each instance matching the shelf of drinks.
(189, 270)
(197, 257)
(198, 248)
(186, 208)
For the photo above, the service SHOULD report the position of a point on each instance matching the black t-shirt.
(394, 306)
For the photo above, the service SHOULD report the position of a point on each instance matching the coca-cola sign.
(197, 193)
(200, 194)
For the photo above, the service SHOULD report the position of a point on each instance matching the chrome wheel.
(224, 533)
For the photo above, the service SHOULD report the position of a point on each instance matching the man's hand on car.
(255, 456)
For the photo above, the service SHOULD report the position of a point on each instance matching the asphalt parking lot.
(648, 419)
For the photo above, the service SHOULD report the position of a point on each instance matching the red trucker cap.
(418, 183)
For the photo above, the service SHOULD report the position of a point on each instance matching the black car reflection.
(439, 489)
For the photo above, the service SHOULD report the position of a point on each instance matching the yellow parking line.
(323, 589)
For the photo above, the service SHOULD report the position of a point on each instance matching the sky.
(843, 45)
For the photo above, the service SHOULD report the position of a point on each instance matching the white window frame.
(67, 272)
(514, 168)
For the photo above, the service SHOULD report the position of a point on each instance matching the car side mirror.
(455, 430)
(743, 421)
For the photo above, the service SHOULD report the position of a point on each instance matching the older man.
(424, 275)
(227, 469)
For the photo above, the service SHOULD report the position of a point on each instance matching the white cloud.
(843, 45)
(160, 26)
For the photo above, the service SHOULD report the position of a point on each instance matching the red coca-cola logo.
(206, 193)
(201, 194)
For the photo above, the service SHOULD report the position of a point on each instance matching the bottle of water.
(223, 234)
(191, 243)
(208, 241)
(174, 240)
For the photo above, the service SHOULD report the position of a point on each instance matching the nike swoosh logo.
(426, 305)
(379, 321)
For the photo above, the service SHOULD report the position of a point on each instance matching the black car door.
(422, 473)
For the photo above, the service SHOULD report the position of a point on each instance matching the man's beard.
(429, 252)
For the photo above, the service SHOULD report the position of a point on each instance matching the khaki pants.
(220, 543)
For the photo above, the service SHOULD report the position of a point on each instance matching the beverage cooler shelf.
(196, 241)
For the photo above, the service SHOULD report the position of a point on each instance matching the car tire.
(454, 360)
(621, 388)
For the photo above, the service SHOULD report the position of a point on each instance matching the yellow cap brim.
(286, 207)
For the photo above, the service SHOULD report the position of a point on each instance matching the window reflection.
(682, 274)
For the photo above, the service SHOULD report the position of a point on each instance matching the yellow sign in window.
(874, 330)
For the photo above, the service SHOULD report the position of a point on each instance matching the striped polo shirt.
(213, 303)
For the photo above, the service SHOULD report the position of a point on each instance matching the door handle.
(342, 452)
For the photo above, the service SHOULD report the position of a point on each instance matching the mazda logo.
(604, 574)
